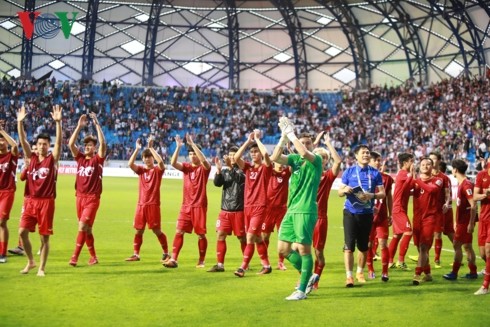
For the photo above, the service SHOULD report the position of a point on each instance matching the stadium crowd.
(450, 116)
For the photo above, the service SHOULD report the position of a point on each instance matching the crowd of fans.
(451, 116)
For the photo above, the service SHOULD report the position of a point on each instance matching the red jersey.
(326, 182)
(463, 207)
(446, 184)
(401, 194)
(8, 167)
(149, 188)
(41, 177)
(89, 174)
(256, 184)
(277, 192)
(425, 197)
(380, 204)
(195, 180)
(483, 182)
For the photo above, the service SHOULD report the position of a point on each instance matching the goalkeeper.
(296, 231)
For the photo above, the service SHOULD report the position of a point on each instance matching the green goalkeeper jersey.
(304, 182)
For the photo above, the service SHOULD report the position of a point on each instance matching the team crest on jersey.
(439, 182)
(85, 171)
(279, 179)
(42, 173)
(4, 167)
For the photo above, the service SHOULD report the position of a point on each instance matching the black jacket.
(233, 182)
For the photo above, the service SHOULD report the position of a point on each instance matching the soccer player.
(361, 185)
(321, 227)
(465, 222)
(296, 231)
(277, 198)
(194, 207)
(482, 193)
(381, 222)
(402, 229)
(8, 166)
(231, 218)
(257, 176)
(443, 207)
(88, 184)
(41, 182)
(425, 197)
(148, 208)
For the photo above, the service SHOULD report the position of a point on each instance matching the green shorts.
(298, 228)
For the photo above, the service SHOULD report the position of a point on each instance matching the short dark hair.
(233, 148)
(90, 138)
(459, 165)
(305, 135)
(375, 155)
(146, 153)
(359, 147)
(404, 157)
(191, 149)
(43, 136)
(427, 158)
(254, 145)
(443, 166)
(436, 154)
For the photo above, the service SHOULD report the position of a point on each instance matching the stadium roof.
(323, 44)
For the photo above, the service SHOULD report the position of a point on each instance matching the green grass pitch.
(144, 293)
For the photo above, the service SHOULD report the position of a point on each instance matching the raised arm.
(175, 155)
(288, 128)
(57, 115)
(14, 148)
(198, 152)
(132, 159)
(155, 154)
(238, 155)
(21, 115)
(334, 155)
(100, 135)
(82, 122)
(262, 148)
(277, 155)
(218, 178)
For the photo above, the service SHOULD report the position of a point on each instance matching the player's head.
(405, 159)
(442, 166)
(426, 165)
(322, 152)
(255, 153)
(362, 153)
(375, 160)
(307, 140)
(459, 166)
(231, 153)
(193, 156)
(90, 143)
(147, 157)
(436, 158)
(42, 143)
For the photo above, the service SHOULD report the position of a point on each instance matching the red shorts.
(448, 227)
(401, 223)
(483, 232)
(273, 218)
(320, 231)
(192, 218)
(6, 203)
(147, 215)
(439, 222)
(40, 212)
(380, 229)
(254, 218)
(229, 221)
(423, 232)
(462, 234)
(87, 206)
